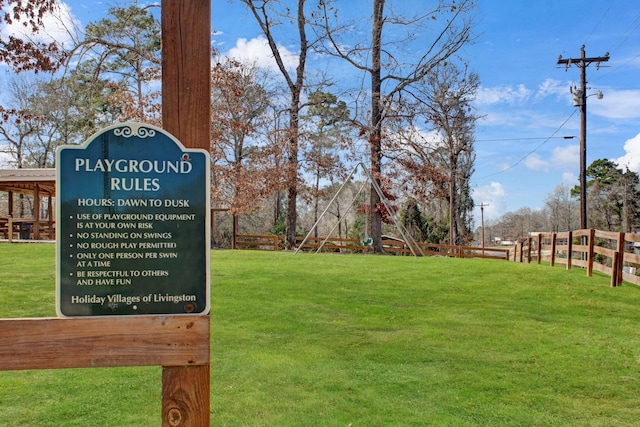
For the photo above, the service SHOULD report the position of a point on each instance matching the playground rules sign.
(132, 225)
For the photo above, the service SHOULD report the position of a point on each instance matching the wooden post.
(185, 395)
(590, 252)
(36, 212)
(539, 248)
(553, 249)
(614, 269)
(620, 263)
(186, 105)
(521, 245)
(234, 230)
(569, 249)
(186, 70)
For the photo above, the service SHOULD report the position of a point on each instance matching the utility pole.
(482, 205)
(580, 100)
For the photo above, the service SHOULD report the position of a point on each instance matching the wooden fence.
(608, 252)
(393, 246)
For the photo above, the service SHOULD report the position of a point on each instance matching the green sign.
(132, 225)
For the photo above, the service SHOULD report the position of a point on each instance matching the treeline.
(400, 100)
(613, 204)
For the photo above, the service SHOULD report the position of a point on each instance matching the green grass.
(338, 340)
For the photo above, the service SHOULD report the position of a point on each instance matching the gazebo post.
(36, 212)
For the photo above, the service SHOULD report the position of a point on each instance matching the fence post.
(569, 249)
(590, 252)
(234, 230)
(553, 249)
(539, 248)
(529, 243)
(521, 257)
(614, 269)
(620, 263)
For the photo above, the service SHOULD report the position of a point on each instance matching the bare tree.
(561, 209)
(394, 64)
(266, 14)
(447, 99)
(239, 106)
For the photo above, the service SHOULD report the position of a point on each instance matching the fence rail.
(605, 251)
(394, 246)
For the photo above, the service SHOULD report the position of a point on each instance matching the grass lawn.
(338, 340)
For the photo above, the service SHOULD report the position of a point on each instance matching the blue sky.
(524, 97)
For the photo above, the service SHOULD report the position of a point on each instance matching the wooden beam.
(53, 343)
(186, 105)
(186, 71)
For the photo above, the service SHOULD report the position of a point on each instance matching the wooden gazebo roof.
(25, 181)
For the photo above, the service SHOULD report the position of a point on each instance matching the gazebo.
(37, 183)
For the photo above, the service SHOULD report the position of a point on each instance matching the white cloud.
(566, 157)
(620, 104)
(552, 87)
(59, 26)
(562, 158)
(502, 94)
(518, 94)
(536, 163)
(257, 51)
(569, 178)
(493, 196)
(631, 158)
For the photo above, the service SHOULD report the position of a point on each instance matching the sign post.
(133, 222)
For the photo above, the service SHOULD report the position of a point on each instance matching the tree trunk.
(316, 202)
(295, 86)
(292, 173)
(375, 138)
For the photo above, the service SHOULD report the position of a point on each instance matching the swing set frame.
(406, 236)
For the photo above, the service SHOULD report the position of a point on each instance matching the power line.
(535, 149)
(599, 22)
(524, 139)
(632, 28)
(626, 35)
